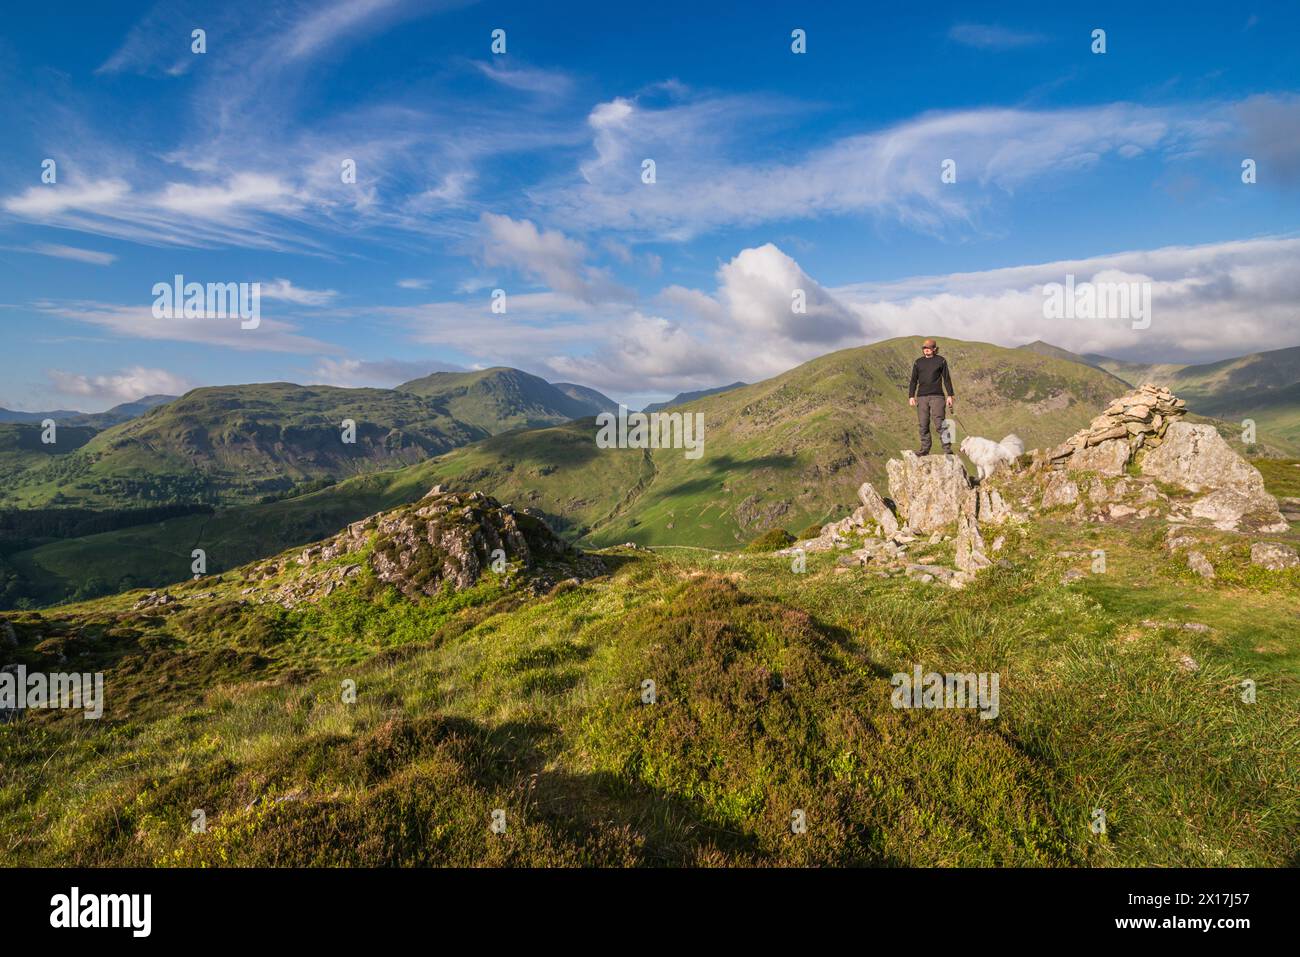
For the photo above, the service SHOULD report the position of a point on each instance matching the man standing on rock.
(926, 391)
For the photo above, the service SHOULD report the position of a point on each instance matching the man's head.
(930, 347)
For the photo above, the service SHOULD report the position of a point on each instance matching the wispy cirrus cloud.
(75, 253)
(990, 37)
(893, 173)
(139, 322)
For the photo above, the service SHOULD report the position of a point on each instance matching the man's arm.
(911, 386)
(947, 382)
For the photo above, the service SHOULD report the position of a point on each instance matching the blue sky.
(523, 172)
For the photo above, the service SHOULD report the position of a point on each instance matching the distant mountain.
(28, 418)
(1261, 386)
(682, 398)
(236, 444)
(99, 420)
(499, 399)
(597, 401)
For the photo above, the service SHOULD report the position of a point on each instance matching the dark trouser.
(929, 415)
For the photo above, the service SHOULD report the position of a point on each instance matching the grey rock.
(1198, 563)
(1273, 556)
(928, 490)
(1109, 457)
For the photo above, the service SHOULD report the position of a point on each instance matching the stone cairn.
(1135, 420)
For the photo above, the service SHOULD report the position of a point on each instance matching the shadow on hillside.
(584, 810)
(722, 466)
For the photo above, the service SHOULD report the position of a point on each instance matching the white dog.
(987, 454)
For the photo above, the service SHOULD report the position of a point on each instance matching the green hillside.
(597, 402)
(784, 452)
(238, 444)
(1263, 386)
(498, 399)
(681, 398)
(773, 694)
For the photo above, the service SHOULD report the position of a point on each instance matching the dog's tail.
(1013, 446)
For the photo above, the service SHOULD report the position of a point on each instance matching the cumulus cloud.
(547, 256)
(1208, 302)
(125, 386)
(768, 295)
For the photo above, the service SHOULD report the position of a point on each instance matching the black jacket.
(927, 372)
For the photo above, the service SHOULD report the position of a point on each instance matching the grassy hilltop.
(773, 694)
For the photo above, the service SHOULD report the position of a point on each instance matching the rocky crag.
(1136, 461)
(446, 540)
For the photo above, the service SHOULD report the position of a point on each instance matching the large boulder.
(1232, 510)
(1196, 457)
(928, 490)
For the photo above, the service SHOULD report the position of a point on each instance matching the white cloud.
(271, 335)
(125, 386)
(91, 256)
(414, 283)
(545, 255)
(1208, 302)
(38, 202)
(378, 373)
(286, 291)
(543, 82)
(709, 175)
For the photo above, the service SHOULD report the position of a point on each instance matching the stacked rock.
(1137, 419)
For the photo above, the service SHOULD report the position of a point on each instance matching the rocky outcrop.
(993, 508)
(1196, 458)
(1135, 420)
(872, 517)
(928, 490)
(445, 540)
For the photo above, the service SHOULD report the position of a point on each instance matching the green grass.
(1281, 476)
(772, 695)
